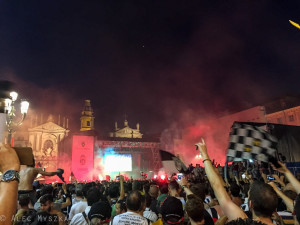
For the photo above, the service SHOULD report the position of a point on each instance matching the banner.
(83, 157)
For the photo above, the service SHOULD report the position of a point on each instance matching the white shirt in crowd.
(78, 219)
(150, 215)
(129, 218)
(79, 207)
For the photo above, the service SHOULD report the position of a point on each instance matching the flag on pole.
(250, 142)
(171, 163)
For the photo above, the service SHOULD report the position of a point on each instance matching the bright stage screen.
(117, 162)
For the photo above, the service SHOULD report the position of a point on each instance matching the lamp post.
(10, 111)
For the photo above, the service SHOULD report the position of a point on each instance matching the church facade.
(44, 139)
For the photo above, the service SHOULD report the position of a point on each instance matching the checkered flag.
(250, 142)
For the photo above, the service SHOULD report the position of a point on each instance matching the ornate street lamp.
(10, 111)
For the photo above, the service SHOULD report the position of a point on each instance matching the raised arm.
(287, 201)
(8, 190)
(288, 174)
(122, 191)
(278, 180)
(184, 185)
(68, 199)
(44, 173)
(231, 210)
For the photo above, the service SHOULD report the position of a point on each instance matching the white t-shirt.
(79, 207)
(148, 214)
(78, 219)
(129, 218)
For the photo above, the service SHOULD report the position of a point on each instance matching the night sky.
(159, 62)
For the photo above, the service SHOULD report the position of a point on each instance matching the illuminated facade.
(87, 118)
(289, 116)
(44, 140)
(126, 132)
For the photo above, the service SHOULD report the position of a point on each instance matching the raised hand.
(183, 181)
(202, 148)
(273, 185)
(281, 169)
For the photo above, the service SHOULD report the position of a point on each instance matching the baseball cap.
(101, 210)
(172, 210)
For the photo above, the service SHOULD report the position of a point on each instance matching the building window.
(279, 120)
(291, 118)
(88, 123)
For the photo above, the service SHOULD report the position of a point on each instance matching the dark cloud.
(156, 61)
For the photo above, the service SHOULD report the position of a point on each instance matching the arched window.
(48, 147)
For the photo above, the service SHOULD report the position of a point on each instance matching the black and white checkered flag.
(250, 142)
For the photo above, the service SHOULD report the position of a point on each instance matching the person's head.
(100, 213)
(79, 194)
(93, 196)
(24, 200)
(199, 190)
(164, 188)
(263, 199)
(113, 191)
(46, 203)
(153, 191)
(195, 209)
(172, 210)
(60, 193)
(120, 207)
(134, 201)
(47, 189)
(173, 186)
(136, 185)
(235, 190)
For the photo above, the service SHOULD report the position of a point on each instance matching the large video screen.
(117, 162)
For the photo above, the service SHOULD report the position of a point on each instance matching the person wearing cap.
(172, 211)
(134, 204)
(100, 213)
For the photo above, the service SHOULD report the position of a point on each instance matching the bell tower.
(87, 118)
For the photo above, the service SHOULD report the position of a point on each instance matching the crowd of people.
(251, 193)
